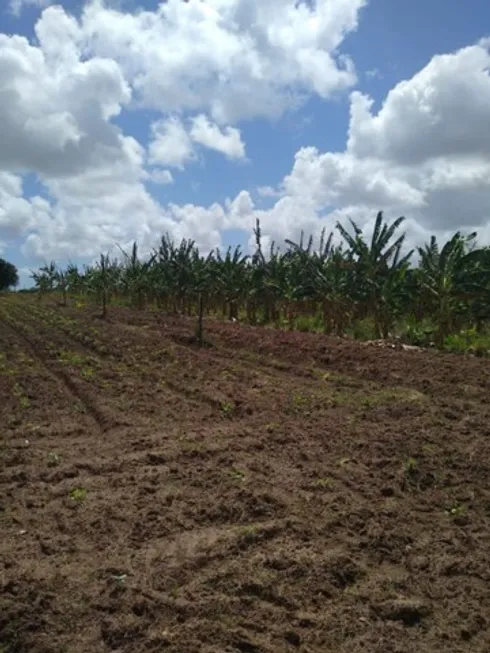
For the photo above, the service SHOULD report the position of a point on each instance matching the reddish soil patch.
(271, 492)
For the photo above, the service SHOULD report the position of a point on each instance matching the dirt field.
(271, 492)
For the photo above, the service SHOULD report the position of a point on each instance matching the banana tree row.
(345, 283)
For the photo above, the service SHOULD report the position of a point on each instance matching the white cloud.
(17, 213)
(203, 66)
(230, 58)
(159, 176)
(55, 108)
(425, 154)
(203, 225)
(227, 141)
(171, 144)
(441, 111)
(268, 191)
(16, 6)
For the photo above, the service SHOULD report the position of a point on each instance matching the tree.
(8, 275)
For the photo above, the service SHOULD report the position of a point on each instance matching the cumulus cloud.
(16, 213)
(425, 154)
(198, 68)
(233, 59)
(227, 141)
(173, 143)
(54, 107)
(201, 65)
(268, 191)
(421, 118)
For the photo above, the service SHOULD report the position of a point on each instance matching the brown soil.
(270, 492)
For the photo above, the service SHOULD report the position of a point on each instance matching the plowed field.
(270, 492)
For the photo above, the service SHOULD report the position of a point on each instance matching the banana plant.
(451, 278)
(230, 272)
(377, 265)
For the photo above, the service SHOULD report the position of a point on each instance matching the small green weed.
(24, 402)
(119, 580)
(174, 590)
(307, 323)
(54, 459)
(88, 373)
(395, 395)
(418, 333)
(455, 510)
(5, 370)
(468, 341)
(22, 357)
(78, 494)
(363, 329)
(410, 466)
(247, 531)
(70, 358)
(237, 474)
(299, 404)
(271, 427)
(79, 407)
(227, 408)
(23, 399)
(326, 483)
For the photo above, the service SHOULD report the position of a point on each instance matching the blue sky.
(219, 176)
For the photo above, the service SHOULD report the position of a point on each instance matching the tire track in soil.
(184, 552)
(95, 417)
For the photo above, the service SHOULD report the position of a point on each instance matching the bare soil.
(270, 492)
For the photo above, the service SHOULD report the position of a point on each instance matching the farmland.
(271, 491)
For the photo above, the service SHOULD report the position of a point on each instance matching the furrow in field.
(59, 375)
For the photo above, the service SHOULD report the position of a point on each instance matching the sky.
(125, 120)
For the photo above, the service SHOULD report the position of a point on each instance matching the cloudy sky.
(126, 119)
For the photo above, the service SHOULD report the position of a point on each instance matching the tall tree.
(9, 276)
